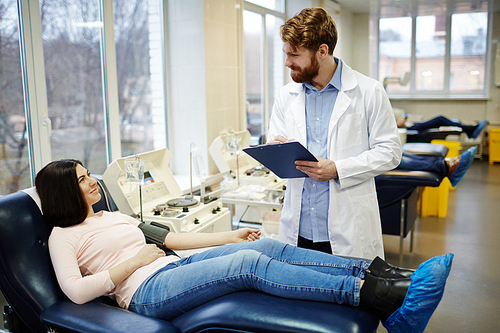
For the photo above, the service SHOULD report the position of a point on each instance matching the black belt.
(318, 246)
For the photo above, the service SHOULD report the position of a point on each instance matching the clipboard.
(280, 158)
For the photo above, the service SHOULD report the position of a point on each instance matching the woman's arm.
(186, 241)
(81, 289)
(78, 288)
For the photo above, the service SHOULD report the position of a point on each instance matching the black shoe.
(381, 268)
(383, 296)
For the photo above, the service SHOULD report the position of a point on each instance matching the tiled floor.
(471, 231)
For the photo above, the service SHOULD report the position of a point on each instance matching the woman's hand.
(145, 256)
(148, 254)
(187, 241)
(246, 235)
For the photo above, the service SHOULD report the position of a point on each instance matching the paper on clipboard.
(280, 158)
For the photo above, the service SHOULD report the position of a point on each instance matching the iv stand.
(140, 200)
(191, 168)
(238, 167)
(198, 172)
(135, 174)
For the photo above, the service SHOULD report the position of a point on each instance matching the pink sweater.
(82, 254)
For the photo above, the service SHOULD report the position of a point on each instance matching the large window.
(443, 44)
(395, 49)
(468, 49)
(138, 36)
(14, 162)
(72, 39)
(78, 79)
(264, 62)
(71, 32)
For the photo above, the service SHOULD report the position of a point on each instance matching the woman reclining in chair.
(103, 253)
(453, 167)
(472, 131)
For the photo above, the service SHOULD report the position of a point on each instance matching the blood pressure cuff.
(156, 235)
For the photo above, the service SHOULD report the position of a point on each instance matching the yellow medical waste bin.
(435, 199)
(494, 147)
(453, 147)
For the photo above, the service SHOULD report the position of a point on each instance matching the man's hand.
(323, 170)
(280, 139)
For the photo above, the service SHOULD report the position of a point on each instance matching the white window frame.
(445, 93)
(34, 84)
(35, 94)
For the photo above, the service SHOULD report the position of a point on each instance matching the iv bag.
(134, 171)
(233, 143)
(199, 166)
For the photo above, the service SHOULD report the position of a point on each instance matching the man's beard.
(308, 73)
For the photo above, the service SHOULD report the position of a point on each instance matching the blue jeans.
(441, 121)
(265, 265)
(414, 162)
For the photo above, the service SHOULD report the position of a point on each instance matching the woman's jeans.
(441, 121)
(412, 162)
(265, 265)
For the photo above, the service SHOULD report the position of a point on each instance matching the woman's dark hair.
(309, 29)
(63, 203)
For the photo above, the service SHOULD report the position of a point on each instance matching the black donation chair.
(28, 282)
(427, 136)
(398, 194)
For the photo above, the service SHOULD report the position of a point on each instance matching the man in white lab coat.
(345, 119)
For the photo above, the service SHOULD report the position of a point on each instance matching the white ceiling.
(363, 6)
(355, 6)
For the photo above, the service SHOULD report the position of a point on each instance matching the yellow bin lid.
(449, 144)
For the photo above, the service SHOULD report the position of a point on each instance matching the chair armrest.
(93, 317)
(425, 149)
(408, 178)
(429, 135)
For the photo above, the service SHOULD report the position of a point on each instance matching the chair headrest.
(106, 202)
(34, 195)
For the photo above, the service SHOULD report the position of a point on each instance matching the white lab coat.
(363, 142)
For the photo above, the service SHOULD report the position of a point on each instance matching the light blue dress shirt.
(315, 195)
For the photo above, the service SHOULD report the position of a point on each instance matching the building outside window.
(71, 32)
(139, 61)
(443, 44)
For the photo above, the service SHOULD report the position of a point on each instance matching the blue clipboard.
(280, 158)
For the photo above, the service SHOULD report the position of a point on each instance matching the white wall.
(343, 20)
(493, 105)
(224, 79)
(205, 76)
(359, 41)
(187, 112)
